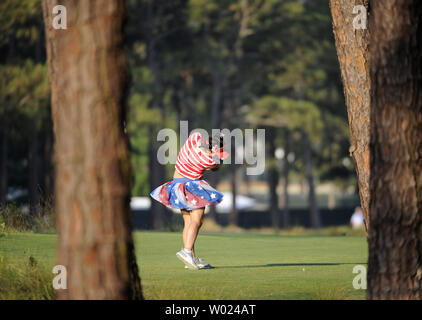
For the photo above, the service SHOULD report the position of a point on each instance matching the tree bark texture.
(353, 55)
(395, 236)
(88, 81)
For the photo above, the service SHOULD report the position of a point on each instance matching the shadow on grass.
(289, 265)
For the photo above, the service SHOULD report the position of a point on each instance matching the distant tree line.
(230, 64)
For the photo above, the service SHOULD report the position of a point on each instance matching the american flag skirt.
(183, 193)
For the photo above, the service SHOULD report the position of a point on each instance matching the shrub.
(25, 281)
(14, 218)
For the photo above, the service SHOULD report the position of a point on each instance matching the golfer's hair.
(216, 140)
(211, 141)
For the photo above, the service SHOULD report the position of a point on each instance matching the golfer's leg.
(197, 232)
(193, 248)
(186, 220)
(195, 222)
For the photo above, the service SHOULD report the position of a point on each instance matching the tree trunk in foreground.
(395, 237)
(353, 51)
(88, 82)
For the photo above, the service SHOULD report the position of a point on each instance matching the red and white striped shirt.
(192, 160)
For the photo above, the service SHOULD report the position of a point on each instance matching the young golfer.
(189, 193)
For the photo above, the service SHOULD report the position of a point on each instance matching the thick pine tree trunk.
(353, 51)
(88, 83)
(395, 236)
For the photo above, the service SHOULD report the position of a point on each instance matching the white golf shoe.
(200, 263)
(187, 259)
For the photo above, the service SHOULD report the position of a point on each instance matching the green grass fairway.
(247, 266)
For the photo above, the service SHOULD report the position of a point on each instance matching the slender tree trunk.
(157, 173)
(234, 215)
(236, 64)
(88, 83)
(313, 204)
(157, 176)
(215, 124)
(248, 184)
(213, 181)
(353, 55)
(395, 236)
(216, 99)
(33, 171)
(48, 166)
(4, 134)
(3, 164)
(273, 180)
(286, 171)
